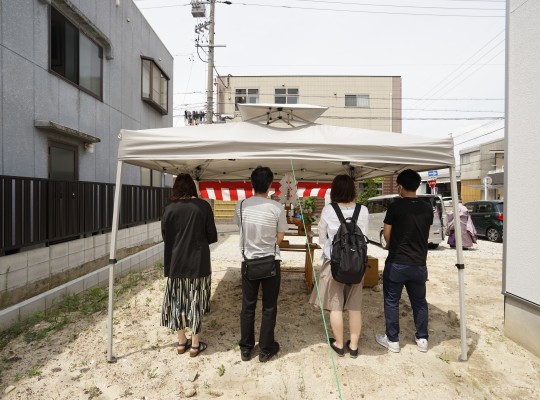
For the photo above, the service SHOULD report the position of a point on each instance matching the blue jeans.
(414, 278)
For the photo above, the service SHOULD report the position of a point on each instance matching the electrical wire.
(436, 88)
(400, 6)
(352, 11)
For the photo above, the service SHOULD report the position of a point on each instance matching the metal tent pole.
(459, 264)
(112, 258)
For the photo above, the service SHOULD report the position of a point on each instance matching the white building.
(521, 273)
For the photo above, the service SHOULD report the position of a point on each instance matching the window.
(286, 96)
(466, 158)
(243, 96)
(150, 177)
(75, 56)
(155, 85)
(63, 162)
(357, 100)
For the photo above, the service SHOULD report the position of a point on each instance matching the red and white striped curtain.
(240, 190)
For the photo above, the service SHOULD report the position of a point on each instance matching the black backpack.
(348, 258)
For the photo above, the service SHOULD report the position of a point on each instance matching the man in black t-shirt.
(406, 230)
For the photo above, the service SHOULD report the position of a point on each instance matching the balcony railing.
(35, 211)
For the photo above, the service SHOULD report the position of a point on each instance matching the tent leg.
(112, 258)
(460, 266)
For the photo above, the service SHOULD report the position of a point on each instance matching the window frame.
(153, 65)
(155, 177)
(79, 32)
(247, 96)
(287, 95)
(357, 97)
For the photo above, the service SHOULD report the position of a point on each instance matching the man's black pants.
(250, 291)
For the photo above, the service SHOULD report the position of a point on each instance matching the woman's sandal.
(181, 348)
(353, 353)
(340, 352)
(194, 351)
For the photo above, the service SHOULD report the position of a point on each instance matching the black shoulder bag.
(257, 268)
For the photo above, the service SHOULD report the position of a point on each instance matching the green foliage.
(34, 371)
(221, 370)
(159, 266)
(371, 189)
(309, 206)
(40, 325)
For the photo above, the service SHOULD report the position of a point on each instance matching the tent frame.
(114, 235)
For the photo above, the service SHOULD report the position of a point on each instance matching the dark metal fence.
(34, 210)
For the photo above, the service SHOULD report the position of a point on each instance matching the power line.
(475, 128)
(434, 90)
(401, 6)
(414, 119)
(386, 98)
(479, 136)
(348, 10)
(223, 103)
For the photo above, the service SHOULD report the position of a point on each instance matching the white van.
(378, 205)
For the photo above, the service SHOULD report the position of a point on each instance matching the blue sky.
(450, 58)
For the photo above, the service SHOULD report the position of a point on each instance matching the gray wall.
(28, 91)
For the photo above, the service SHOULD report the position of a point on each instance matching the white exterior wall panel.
(521, 274)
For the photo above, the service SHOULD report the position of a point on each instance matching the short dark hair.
(409, 179)
(343, 189)
(183, 188)
(261, 179)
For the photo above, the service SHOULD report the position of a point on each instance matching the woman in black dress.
(188, 228)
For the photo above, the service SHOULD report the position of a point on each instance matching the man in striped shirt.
(263, 224)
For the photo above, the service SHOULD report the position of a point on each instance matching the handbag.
(257, 268)
(260, 268)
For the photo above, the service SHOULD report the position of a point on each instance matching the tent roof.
(315, 152)
(290, 114)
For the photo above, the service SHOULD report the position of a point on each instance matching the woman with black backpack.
(335, 296)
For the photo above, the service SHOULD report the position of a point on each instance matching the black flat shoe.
(340, 352)
(245, 354)
(264, 357)
(353, 353)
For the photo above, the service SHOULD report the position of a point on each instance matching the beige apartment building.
(479, 162)
(369, 102)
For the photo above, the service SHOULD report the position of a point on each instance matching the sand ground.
(71, 363)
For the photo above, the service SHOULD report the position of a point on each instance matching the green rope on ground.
(317, 289)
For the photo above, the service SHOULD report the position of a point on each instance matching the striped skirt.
(185, 302)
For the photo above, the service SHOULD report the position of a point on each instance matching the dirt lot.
(71, 363)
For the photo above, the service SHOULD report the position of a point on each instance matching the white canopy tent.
(311, 152)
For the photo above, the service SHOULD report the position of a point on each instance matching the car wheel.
(384, 245)
(432, 246)
(493, 235)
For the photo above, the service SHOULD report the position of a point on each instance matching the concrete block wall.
(19, 270)
(47, 300)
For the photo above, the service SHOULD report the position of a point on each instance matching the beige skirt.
(336, 296)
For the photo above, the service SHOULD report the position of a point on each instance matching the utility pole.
(210, 88)
(198, 11)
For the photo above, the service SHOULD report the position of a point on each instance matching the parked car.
(488, 217)
(447, 201)
(378, 205)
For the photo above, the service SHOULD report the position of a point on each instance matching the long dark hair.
(343, 190)
(183, 188)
